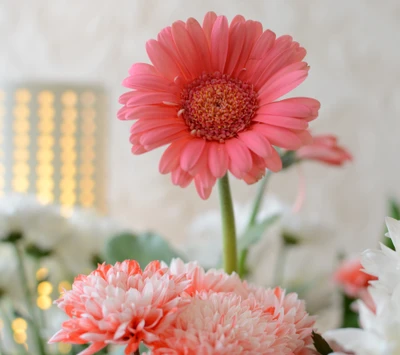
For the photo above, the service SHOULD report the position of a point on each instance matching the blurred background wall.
(354, 58)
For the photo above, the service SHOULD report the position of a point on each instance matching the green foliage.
(255, 232)
(349, 318)
(143, 248)
(321, 345)
(394, 212)
(252, 235)
(288, 159)
(13, 237)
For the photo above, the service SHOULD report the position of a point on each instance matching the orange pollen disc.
(217, 107)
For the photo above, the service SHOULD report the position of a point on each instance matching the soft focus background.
(354, 73)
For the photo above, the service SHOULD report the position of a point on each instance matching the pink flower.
(210, 95)
(212, 280)
(325, 149)
(352, 279)
(120, 304)
(221, 324)
(290, 314)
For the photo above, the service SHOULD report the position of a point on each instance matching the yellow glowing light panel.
(51, 143)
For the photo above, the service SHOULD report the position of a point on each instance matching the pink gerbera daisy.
(120, 304)
(210, 95)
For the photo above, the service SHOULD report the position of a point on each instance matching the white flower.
(89, 233)
(41, 225)
(381, 328)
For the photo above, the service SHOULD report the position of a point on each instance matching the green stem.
(259, 199)
(28, 299)
(252, 220)
(228, 226)
(242, 263)
(6, 321)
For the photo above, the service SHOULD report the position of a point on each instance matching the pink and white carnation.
(120, 304)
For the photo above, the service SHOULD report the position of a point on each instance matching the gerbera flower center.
(217, 107)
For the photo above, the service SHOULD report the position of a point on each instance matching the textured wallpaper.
(354, 57)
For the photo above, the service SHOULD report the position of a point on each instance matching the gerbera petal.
(281, 137)
(280, 61)
(253, 32)
(150, 82)
(282, 121)
(147, 112)
(237, 37)
(256, 142)
(312, 104)
(192, 153)
(160, 133)
(186, 49)
(208, 24)
(281, 85)
(167, 42)
(219, 43)
(139, 98)
(257, 170)
(162, 61)
(239, 157)
(200, 41)
(180, 177)
(218, 160)
(170, 159)
(149, 124)
(274, 162)
(204, 183)
(141, 69)
(263, 44)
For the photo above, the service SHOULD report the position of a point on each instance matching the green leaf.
(143, 248)
(394, 212)
(349, 318)
(320, 344)
(394, 209)
(254, 233)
